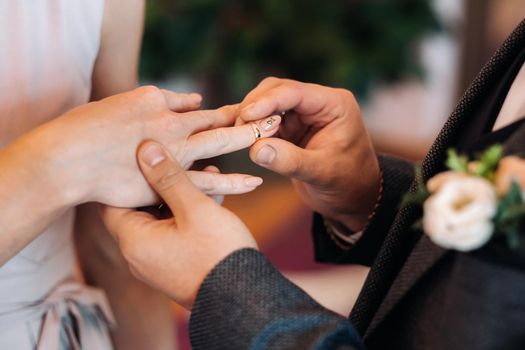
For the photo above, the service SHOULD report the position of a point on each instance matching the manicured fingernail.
(266, 155)
(252, 181)
(270, 123)
(153, 155)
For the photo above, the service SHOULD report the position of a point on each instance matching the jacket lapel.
(393, 274)
(426, 254)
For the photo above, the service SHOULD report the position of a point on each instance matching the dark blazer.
(417, 295)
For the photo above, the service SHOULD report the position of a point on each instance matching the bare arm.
(143, 315)
(88, 155)
(116, 68)
(33, 192)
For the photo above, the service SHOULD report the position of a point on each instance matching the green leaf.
(421, 193)
(418, 225)
(513, 212)
(488, 162)
(514, 194)
(456, 162)
(512, 198)
(510, 216)
(419, 178)
(417, 197)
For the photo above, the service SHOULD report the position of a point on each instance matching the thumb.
(285, 158)
(167, 178)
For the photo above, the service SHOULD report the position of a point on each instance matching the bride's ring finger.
(211, 143)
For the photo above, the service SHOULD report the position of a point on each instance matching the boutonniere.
(474, 202)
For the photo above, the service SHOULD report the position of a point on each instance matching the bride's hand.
(89, 153)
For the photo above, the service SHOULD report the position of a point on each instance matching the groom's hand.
(323, 146)
(175, 255)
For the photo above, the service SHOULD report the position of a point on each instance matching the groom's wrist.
(342, 230)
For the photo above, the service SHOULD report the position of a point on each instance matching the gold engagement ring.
(256, 131)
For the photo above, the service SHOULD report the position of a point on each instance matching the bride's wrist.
(50, 156)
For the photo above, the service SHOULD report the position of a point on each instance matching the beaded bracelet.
(344, 238)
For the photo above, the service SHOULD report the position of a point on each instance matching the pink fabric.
(77, 299)
(49, 49)
(88, 307)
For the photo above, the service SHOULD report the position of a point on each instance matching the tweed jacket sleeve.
(397, 177)
(245, 303)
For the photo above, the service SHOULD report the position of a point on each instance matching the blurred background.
(407, 61)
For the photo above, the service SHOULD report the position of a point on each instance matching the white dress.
(47, 52)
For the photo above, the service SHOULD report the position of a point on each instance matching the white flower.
(435, 183)
(458, 215)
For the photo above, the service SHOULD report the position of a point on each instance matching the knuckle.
(221, 138)
(292, 88)
(192, 121)
(205, 120)
(149, 90)
(207, 184)
(233, 184)
(271, 80)
(345, 95)
(151, 95)
(349, 102)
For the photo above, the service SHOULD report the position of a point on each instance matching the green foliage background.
(230, 45)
